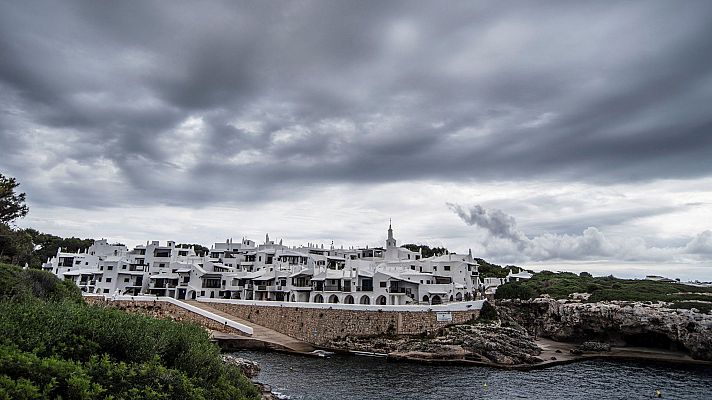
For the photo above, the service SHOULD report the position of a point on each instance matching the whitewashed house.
(273, 272)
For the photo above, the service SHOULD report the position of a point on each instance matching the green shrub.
(487, 313)
(514, 290)
(53, 345)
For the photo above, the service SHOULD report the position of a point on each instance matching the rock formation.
(618, 323)
(489, 343)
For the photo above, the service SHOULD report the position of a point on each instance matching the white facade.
(273, 272)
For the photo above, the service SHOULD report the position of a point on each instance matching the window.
(447, 268)
(383, 284)
(106, 290)
(99, 279)
(109, 267)
(108, 280)
(123, 266)
(202, 293)
(435, 268)
(412, 267)
(126, 279)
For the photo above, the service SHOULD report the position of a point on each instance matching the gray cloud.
(315, 93)
(505, 239)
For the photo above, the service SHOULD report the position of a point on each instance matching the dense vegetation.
(561, 285)
(199, 248)
(52, 345)
(427, 250)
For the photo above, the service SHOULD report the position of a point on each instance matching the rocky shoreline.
(544, 332)
(620, 324)
(251, 369)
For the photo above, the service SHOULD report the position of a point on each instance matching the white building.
(273, 272)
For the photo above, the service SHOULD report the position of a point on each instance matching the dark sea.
(353, 377)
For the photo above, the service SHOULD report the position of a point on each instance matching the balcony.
(261, 288)
(396, 290)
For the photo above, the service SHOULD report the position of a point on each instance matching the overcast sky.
(565, 135)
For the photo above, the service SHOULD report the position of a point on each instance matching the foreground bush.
(53, 346)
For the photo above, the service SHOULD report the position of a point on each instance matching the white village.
(271, 271)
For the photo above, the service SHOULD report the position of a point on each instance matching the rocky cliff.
(619, 323)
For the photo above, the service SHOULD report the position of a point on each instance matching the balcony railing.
(261, 287)
(396, 290)
(332, 288)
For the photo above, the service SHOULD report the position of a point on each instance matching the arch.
(426, 299)
(436, 300)
(333, 299)
(381, 300)
(318, 298)
(349, 299)
(293, 299)
(458, 296)
(451, 298)
(365, 300)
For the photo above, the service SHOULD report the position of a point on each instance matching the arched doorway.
(458, 296)
(349, 299)
(436, 300)
(451, 298)
(293, 298)
(318, 298)
(381, 300)
(333, 299)
(365, 300)
(426, 299)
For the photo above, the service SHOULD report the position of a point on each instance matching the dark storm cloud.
(197, 103)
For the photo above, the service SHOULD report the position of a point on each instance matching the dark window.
(447, 268)
(106, 290)
(123, 266)
(126, 279)
(383, 284)
(108, 280)
(110, 267)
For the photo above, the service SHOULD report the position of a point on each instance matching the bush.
(25, 284)
(53, 346)
(514, 290)
(487, 313)
(561, 285)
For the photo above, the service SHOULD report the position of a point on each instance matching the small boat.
(368, 354)
(322, 353)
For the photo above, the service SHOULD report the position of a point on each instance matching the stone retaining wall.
(163, 310)
(319, 326)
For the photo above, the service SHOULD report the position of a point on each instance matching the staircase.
(269, 337)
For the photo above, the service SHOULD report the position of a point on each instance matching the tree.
(12, 204)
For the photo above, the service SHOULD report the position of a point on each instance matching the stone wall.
(318, 326)
(163, 310)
